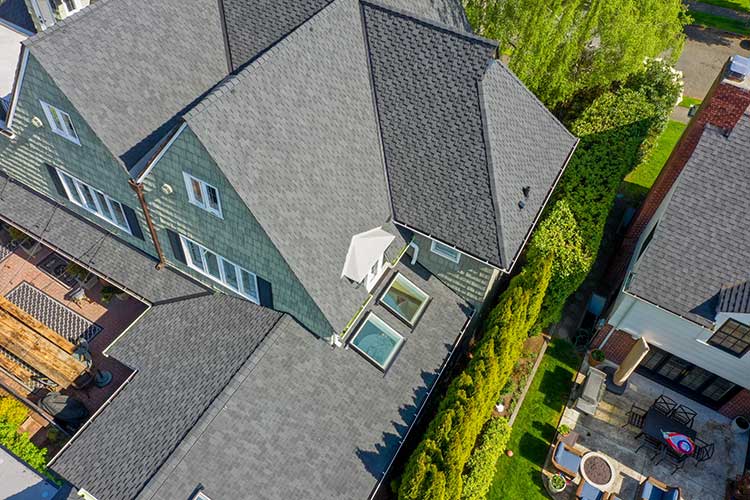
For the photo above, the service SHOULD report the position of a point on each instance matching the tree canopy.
(561, 47)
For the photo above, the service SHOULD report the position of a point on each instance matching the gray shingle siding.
(237, 236)
(702, 242)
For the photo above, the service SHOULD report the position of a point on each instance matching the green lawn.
(639, 181)
(718, 22)
(520, 477)
(740, 5)
(686, 102)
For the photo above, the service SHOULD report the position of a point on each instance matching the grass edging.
(529, 381)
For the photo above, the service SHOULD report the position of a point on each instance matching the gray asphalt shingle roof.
(130, 67)
(702, 241)
(427, 80)
(327, 425)
(62, 229)
(295, 134)
(180, 371)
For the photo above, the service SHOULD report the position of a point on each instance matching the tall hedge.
(480, 469)
(12, 415)
(435, 469)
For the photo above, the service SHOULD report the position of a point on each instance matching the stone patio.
(604, 433)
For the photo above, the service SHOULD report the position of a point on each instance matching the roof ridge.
(59, 25)
(538, 102)
(431, 24)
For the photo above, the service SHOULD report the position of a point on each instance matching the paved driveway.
(705, 52)
(10, 46)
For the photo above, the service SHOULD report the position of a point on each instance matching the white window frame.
(104, 211)
(371, 316)
(63, 128)
(76, 3)
(204, 193)
(439, 249)
(372, 278)
(222, 279)
(201, 496)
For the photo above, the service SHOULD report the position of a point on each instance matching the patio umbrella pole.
(617, 380)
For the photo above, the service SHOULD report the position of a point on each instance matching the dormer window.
(365, 259)
(445, 251)
(732, 337)
(203, 195)
(60, 122)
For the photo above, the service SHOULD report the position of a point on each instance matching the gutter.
(387, 470)
(138, 188)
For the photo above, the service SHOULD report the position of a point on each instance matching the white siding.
(678, 336)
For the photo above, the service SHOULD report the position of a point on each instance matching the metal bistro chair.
(684, 415)
(650, 443)
(674, 459)
(703, 451)
(664, 405)
(636, 417)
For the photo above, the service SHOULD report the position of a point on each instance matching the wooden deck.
(37, 346)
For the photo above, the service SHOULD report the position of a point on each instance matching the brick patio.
(114, 318)
(604, 432)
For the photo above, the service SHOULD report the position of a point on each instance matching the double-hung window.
(220, 269)
(445, 251)
(94, 201)
(203, 194)
(60, 122)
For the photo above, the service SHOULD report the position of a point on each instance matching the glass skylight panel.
(377, 341)
(405, 299)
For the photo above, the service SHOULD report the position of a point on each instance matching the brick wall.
(618, 346)
(722, 107)
(739, 405)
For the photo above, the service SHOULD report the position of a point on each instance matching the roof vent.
(526, 190)
(521, 204)
(739, 68)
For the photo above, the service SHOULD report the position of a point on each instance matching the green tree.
(561, 47)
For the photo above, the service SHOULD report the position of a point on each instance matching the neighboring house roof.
(702, 241)
(17, 14)
(185, 353)
(60, 228)
(325, 426)
(427, 80)
(735, 298)
(295, 134)
(130, 68)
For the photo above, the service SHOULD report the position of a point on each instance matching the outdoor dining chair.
(684, 415)
(650, 444)
(703, 451)
(567, 459)
(636, 417)
(664, 405)
(672, 458)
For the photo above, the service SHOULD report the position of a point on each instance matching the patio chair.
(664, 405)
(672, 458)
(684, 415)
(649, 443)
(566, 459)
(653, 489)
(703, 451)
(636, 417)
(587, 491)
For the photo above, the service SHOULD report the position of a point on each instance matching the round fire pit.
(597, 470)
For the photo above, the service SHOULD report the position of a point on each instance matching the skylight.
(404, 299)
(377, 341)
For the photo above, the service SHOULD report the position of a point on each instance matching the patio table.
(654, 423)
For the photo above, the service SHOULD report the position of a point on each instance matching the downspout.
(138, 188)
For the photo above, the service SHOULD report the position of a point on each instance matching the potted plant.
(564, 430)
(596, 357)
(557, 483)
(108, 292)
(740, 425)
(84, 277)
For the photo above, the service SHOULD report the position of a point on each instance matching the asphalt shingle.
(702, 242)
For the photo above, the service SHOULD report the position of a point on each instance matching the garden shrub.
(12, 414)
(435, 469)
(481, 466)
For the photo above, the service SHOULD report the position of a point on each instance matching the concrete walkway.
(680, 114)
(718, 11)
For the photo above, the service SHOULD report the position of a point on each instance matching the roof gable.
(296, 135)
